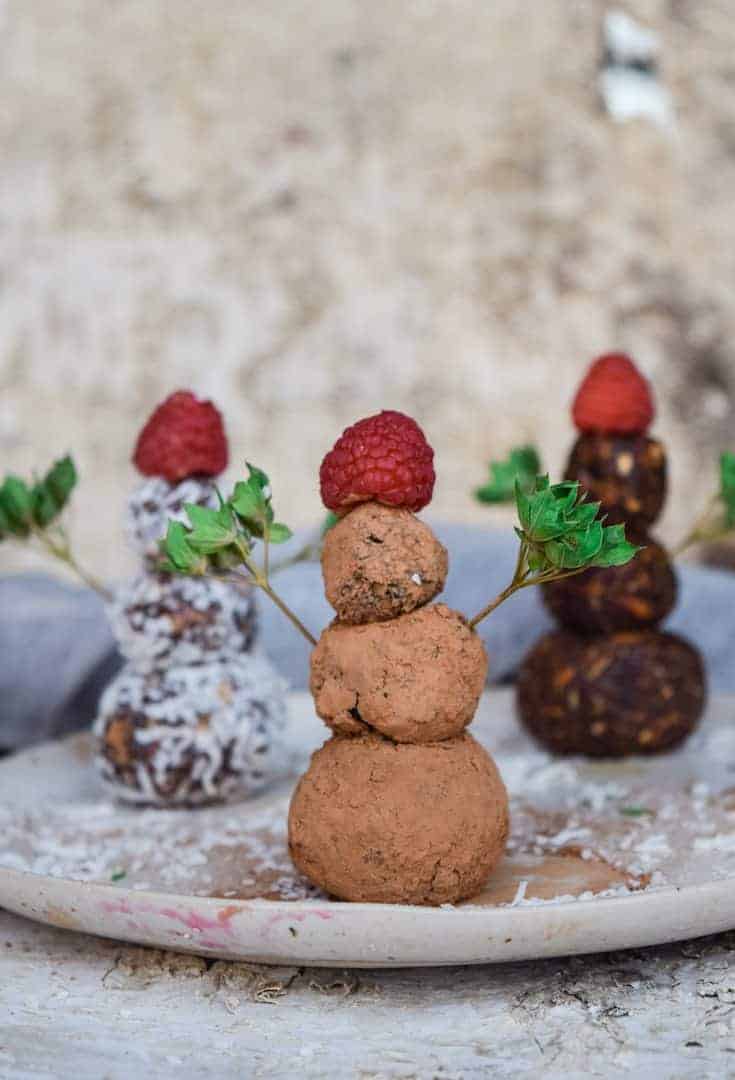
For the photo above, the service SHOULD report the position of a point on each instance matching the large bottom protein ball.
(192, 735)
(161, 620)
(629, 693)
(379, 562)
(417, 678)
(635, 596)
(399, 823)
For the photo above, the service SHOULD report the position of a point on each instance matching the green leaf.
(17, 503)
(727, 485)
(45, 507)
(577, 549)
(279, 533)
(211, 529)
(4, 523)
(637, 811)
(521, 466)
(246, 500)
(330, 520)
(615, 550)
(180, 557)
(61, 479)
(259, 479)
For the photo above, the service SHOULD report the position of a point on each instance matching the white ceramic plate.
(601, 856)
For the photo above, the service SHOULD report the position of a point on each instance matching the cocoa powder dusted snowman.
(195, 715)
(400, 805)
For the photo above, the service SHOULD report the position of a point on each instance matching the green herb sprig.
(522, 466)
(560, 535)
(222, 541)
(717, 521)
(31, 511)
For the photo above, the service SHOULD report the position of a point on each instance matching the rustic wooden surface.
(76, 1006)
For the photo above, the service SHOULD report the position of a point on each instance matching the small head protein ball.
(379, 562)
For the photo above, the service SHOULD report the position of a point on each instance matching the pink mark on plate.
(200, 923)
(123, 907)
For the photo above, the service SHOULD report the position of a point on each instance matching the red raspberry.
(183, 437)
(385, 458)
(613, 398)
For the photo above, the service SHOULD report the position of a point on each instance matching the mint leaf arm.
(31, 512)
(560, 534)
(221, 542)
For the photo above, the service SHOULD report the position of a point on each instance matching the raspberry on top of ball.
(383, 458)
(613, 398)
(183, 437)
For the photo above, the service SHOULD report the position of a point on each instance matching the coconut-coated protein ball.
(399, 823)
(635, 596)
(626, 693)
(192, 735)
(626, 473)
(417, 678)
(379, 562)
(163, 620)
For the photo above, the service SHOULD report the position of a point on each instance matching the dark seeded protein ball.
(626, 473)
(399, 823)
(635, 596)
(628, 693)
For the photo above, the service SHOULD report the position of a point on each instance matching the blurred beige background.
(310, 211)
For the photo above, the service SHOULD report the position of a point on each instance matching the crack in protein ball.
(379, 562)
(635, 596)
(417, 678)
(626, 473)
(627, 693)
(383, 822)
(161, 620)
(192, 735)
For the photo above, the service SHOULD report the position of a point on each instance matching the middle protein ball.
(417, 678)
(379, 562)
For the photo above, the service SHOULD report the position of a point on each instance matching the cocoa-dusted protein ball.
(626, 473)
(417, 678)
(399, 823)
(634, 596)
(627, 693)
(191, 735)
(379, 562)
(161, 620)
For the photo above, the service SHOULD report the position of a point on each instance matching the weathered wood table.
(76, 1006)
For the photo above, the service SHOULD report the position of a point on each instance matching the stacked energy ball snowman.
(610, 682)
(400, 805)
(196, 715)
